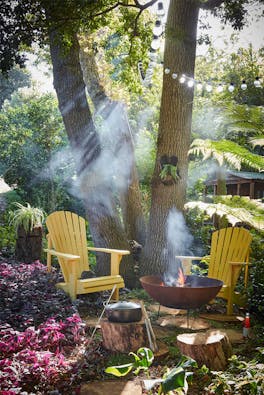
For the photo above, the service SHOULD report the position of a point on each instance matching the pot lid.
(122, 305)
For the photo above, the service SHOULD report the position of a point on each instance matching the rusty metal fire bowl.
(196, 292)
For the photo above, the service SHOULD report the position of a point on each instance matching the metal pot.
(123, 312)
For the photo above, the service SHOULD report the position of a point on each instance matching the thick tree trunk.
(174, 129)
(93, 187)
(120, 136)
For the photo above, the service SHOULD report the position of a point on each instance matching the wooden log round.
(211, 348)
(124, 337)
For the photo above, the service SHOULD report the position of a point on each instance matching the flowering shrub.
(39, 330)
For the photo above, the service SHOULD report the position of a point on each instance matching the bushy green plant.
(241, 378)
(174, 379)
(26, 216)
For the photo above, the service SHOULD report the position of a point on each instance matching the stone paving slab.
(116, 387)
(182, 322)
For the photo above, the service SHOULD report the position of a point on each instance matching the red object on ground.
(246, 325)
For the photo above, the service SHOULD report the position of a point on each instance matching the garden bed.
(45, 345)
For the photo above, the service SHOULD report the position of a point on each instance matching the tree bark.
(211, 348)
(93, 186)
(120, 135)
(174, 128)
(124, 337)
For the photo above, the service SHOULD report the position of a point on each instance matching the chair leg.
(230, 302)
(116, 294)
(72, 287)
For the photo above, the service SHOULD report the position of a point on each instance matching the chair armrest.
(116, 256)
(68, 257)
(190, 257)
(108, 250)
(186, 262)
(239, 263)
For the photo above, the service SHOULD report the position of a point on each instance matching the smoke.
(179, 241)
(110, 172)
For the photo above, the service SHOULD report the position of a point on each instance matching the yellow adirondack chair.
(230, 249)
(67, 241)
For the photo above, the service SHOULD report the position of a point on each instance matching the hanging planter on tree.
(28, 221)
(169, 173)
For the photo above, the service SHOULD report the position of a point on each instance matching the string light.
(257, 83)
(174, 75)
(220, 88)
(209, 87)
(155, 43)
(190, 83)
(182, 79)
(231, 87)
(199, 86)
(160, 10)
(243, 86)
(167, 70)
(158, 29)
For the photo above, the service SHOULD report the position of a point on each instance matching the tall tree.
(61, 23)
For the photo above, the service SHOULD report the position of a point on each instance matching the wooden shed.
(240, 183)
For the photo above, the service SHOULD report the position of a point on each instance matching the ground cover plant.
(41, 333)
(45, 347)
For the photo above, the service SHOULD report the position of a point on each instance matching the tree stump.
(124, 337)
(28, 244)
(211, 348)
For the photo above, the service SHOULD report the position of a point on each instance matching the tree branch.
(210, 4)
(119, 3)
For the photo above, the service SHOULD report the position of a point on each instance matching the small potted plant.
(28, 221)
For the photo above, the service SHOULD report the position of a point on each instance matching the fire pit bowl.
(196, 292)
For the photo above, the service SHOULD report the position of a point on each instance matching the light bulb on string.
(220, 88)
(153, 56)
(160, 10)
(231, 87)
(257, 82)
(209, 87)
(155, 43)
(190, 83)
(199, 86)
(182, 79)
(174, 76)
(158, 29)
(243, 86)
(167, 70)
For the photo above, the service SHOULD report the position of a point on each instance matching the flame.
(181, 278)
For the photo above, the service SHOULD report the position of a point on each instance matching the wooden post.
(211, 348)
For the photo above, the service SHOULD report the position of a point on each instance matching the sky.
(251, 34)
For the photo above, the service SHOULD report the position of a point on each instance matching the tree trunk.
(120, 135)
(93, 186)
(211, 348)
(174, 128)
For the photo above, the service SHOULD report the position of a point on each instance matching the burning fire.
(179, 281)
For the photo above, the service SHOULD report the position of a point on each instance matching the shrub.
(39, 329)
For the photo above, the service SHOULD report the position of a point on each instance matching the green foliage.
(233, 215)
(33, 151)
(169, 170)
(226, 151)
(174, 379)
(26, 217)
(14, 79)
(241, 377)
(142, 361)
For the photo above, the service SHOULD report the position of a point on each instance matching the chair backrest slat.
(228, 245)
(68, 234)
